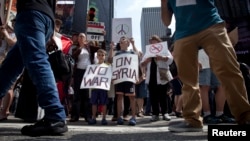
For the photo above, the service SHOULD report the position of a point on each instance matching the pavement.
(81, 131)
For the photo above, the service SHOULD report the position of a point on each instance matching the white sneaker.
(154, 118)
(166, 117)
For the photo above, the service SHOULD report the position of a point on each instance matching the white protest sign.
(97, 76)
(125, 68)
(121, 27)
(160, 49)
(95, 31)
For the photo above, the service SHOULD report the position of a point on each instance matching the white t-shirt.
(83, 59)
(203, 59)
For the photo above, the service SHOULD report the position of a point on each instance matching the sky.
(132, 9)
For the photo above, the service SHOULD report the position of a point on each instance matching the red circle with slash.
(155, 48)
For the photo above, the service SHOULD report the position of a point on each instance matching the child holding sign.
(99, 96)
(125, 73)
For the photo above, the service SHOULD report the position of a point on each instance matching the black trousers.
(158, 98)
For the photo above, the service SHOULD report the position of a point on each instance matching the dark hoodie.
(45, 6)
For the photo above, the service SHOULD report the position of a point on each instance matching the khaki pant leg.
(217, 45)
(186, 58)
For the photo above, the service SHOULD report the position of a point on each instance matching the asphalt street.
(81, 131)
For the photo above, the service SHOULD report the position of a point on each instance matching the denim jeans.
(33, 29)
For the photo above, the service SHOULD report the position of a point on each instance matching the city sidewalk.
(81, 131)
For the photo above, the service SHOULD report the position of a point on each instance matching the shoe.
(226, 119)
(45, 127)
(148, 114)
(172, 114)
(178, 114)
(166, 117)
(125, 118)
(246, 123)
(3, 118)
(184, 127)
(154, 118)
(92, 121)
(104, 121)
(120, 121)
(87, 119)
(114, 119)
(140, 114)
(132, 121)
(211, 120)
(74, 120)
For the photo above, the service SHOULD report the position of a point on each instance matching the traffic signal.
(91, 14)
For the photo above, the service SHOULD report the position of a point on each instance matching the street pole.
(87, 18)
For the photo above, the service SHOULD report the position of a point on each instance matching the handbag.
(165, 74)
(61, 64)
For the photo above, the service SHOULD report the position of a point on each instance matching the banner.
(160, 49)
(64, 43)
(125, 68)
(121, 27)
(97, 76)
(95, 31)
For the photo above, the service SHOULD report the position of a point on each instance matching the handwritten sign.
(97, 76)
(125, 68)
(160, 49)
(121, 27)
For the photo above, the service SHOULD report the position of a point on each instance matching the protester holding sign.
(100, 96)
(157, 77)
(125, 73)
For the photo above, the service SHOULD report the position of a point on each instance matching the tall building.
(73, 14)
(151, 24)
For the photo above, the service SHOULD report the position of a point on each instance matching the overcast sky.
(132, 9)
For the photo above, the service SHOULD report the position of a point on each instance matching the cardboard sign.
(160, 49)
(121, 27)
(125, 68)
(97, 76)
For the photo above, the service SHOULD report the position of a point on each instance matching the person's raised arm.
(111, 52)
(166, 15)
(132, 41)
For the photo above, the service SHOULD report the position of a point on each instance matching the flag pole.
(8, 11)
(87, 17)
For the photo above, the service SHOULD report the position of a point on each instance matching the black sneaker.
(210, 119)
(45, 127)
(226, 119)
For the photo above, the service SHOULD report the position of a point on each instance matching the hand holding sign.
(160, 49)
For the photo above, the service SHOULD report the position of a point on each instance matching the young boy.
(126, 88)
(99, 96)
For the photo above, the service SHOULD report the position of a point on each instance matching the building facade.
(73, 13)
(151, 24)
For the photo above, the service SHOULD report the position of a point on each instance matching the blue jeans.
(33, 29)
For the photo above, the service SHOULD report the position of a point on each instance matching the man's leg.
(225, 66)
